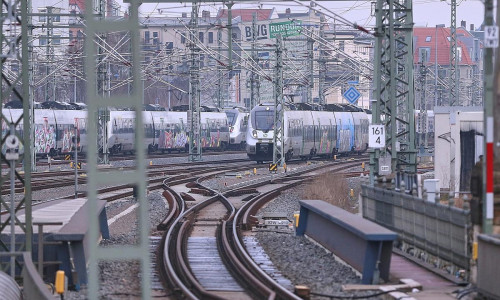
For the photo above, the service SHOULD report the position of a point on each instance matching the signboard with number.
(491, 36)
(290, 28)
(376, 136)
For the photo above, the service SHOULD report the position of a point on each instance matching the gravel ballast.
(302, 260)
(121, 279)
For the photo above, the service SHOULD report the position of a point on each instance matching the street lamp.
(436, 64)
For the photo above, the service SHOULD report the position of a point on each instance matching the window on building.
(146, 37)
(201, 36)
(342, 45)
(183, 39)
(156, 40)
(428, 38)
(210, 37)
(56, 40)
(14, 66)
(442, 73)
(43, 41)
(42, 18)
(72, 19)
(459, 53)
(424, 54)
(169, 46)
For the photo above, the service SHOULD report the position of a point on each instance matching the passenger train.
(237, 118)
(165, 131)
(309, 131)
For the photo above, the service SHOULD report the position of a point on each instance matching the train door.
(344, 132)
(81, 133)
(45, 132)
(357, 144)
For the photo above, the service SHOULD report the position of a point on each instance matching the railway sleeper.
(201, 192)
(250, 197)
(251, 222)
(187, 197)
(241, 192)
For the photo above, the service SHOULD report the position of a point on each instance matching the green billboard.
(290, 28)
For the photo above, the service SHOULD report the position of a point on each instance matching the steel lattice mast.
(97, 176)
(454, 92)
(194, 89)
(278, 155)
(101, 90)
(322, 62)
(254, 78)
(394, 93)
(14, 50)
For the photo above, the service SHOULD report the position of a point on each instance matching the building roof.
(174, 21)
(421, 38)
(79, 3)
(246, 14)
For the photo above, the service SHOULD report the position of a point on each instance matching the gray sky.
(425, 12)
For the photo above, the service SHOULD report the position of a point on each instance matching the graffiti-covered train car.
(52, 131)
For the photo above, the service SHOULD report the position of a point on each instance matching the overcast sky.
(425, 12)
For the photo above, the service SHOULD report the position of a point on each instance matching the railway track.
(55, 179)
(42, 162)
(220, 224)
(182, 172)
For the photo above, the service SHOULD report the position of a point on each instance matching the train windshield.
(263, 120)
(231, 118)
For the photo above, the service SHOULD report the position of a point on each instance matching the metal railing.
(432, 233)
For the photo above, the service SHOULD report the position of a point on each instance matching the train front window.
(263, 120)
(231, 117)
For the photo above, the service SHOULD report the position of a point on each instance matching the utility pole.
(194, 116)
(254, 78)
(393, 89)
(310, 65)
(279, 108)
(49, 54)
(220, 80)
(30, 60)
(488, 181)
(101, 90)
(423, 104)
(230, 42)
(454, 91)
(230, 36)
(322, 62)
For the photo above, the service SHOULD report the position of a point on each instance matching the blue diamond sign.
(352, 95)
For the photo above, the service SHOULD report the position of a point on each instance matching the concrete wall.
(450, 119)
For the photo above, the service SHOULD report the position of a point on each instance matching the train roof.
(238, 108)
(336, 107)
(342, 107)
(203, 108)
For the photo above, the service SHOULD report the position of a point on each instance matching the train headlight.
(231, 129)
(254, 133)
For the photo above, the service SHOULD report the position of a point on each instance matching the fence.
(431, 232)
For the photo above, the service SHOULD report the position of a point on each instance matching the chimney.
(184, 14)
(463, 24)
(288, 11)
(205, 14)
(471, 27)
